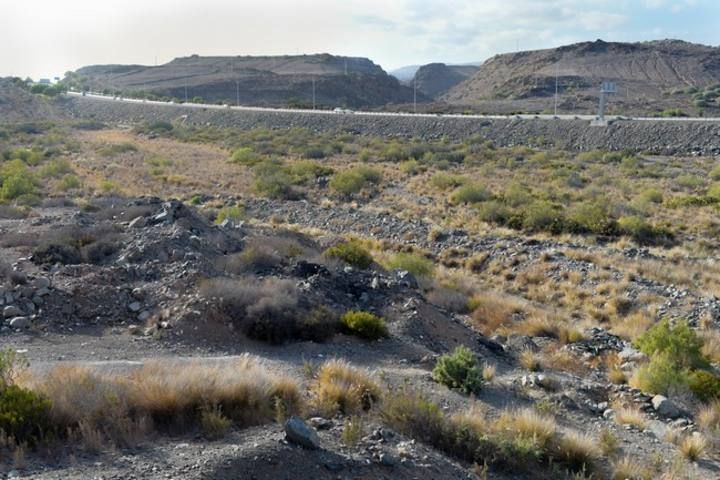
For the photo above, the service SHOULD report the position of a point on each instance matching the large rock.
(298, 432)
(11, 311)
(664, 407)
(19, 322)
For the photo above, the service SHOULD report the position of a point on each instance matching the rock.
(42, 292)
(664, 407)
(138, 222)
(521, 342)
(134, 330)
(144, 316)
(300, 433)
(41, 283)
(388, 459)
(608, 414)
(11, 311)
(320, 423)
(135, 307)
(19, 322)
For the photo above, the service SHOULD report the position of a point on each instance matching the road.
(109, 98)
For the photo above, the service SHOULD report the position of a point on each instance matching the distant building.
(44, 81)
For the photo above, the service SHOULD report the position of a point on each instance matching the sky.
(46, 38)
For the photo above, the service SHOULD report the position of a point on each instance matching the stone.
(42, 292)
(300, 433)
(664, 407)
(388, 459)
(135, 307)
(320, 423)
(11, 311)
(138, 222)
(608, 414)
(144, 316)
(41, 283)
(19, 322)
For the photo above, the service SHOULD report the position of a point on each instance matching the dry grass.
(529, 360)
(608, 442)
(488, 372)
(711, 345)
(539, 326)
(340, 387)
(527, 423)
(633, 325)
(630, 416)
(492, 310)
(167, 395)
(692, 447)
(628, 469)
(578, 450)
(709, 417)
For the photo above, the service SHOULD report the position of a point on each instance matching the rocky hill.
(436, 79)
(271, 80)
(651, 76)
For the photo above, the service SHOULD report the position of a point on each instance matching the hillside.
(651, 76)
(436, 79)
(19, 105)
(273, 80)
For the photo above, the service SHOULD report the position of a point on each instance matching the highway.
(110, 98)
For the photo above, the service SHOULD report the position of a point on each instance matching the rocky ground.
(134, 294)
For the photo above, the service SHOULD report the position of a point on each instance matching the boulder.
(41, 283)
(300, 433)
(664, 407)
(19, 322)
(11, 311)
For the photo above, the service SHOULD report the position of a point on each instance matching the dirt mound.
(276, 81)
(665, 73)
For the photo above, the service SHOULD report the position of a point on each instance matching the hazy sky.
(48, 37)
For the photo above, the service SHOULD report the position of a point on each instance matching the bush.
(272, 181)
(459, 370)
(470, 193)
(659, 376)
(593, 218)
(16, 180)
(705, 385)
(416, 264)
(715, 173)
(494, 212)
(23, 414)
(351, 253)
(235, 213)
(246, 156)
(364, 325)
(681, 344)
(446, 181)
(643, 232)
(354, 180)
(542, 216)
(652, 195)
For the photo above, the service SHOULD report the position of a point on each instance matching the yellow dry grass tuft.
(692, 447)
(340, 387)
(527, 423)
(628, 469)
(630, 416)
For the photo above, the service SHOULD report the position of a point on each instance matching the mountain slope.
(19, 105)
(659, 73)
(436, 79)
(272, 80)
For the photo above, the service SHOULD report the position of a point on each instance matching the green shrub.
(494, 212)
(235, 213)
(715, 173)
(642, 231)
(445, 181)
(351, 253)
(416, 264)
(680, 343)
(705, 385)
(394, 153)
(272, 181)
(652, 195)
(714, 192)
(659, 375)
(470, 193)
(411, 167)
(23, 414)
(56, 168)
(69, 182)
(542, 216)
(593, 218)
(459, 370)
(689, 181)
(117, 149)
(305, 171)
(16, 180)
(517, 195)
(354, 180)
(364, 325)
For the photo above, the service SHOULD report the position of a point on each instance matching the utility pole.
(556, 88)
(415, 94)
